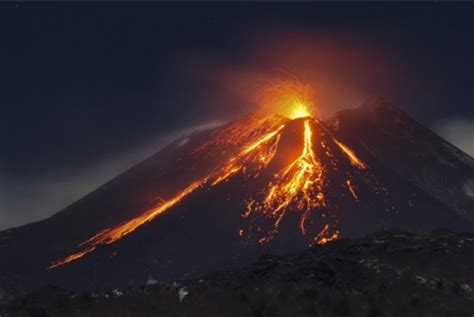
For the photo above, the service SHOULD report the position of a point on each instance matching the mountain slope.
(257, 185)
(414, 152)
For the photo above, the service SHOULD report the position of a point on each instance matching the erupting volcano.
(277, 181)
(299, 185)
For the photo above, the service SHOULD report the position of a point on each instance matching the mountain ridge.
(385, 273)
(210, 229)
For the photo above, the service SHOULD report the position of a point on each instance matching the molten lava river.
(298, 187)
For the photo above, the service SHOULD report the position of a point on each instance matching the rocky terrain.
(389, 273)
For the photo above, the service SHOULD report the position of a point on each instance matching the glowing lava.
(351, 155)
(298, 110)
(324, 237)
(289, 98)
(113, 234)
(351, 189)
(260, 154)
(300, 186)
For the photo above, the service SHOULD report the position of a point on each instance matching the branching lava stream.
(297, 187)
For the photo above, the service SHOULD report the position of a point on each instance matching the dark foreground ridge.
(389, 273)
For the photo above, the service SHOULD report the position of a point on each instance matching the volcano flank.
(261, 184)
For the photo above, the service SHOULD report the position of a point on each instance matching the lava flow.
(111, 235)
(254, 152)
(300, 186)
(258, 152)
(300, 183)
(351, 155)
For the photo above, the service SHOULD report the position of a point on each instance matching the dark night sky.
(90, 89)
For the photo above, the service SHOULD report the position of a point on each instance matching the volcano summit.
(267, 183)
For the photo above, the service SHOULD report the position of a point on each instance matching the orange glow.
(263, 139)
(298, 110)
(351, 189)
(113, 234)
(263, 156)
(351, 155)
(72, 257)
(325, 240)
(324, 236)
(299, 186)
(289, 98)
(236, 164)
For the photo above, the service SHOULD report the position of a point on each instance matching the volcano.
(263, 184)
